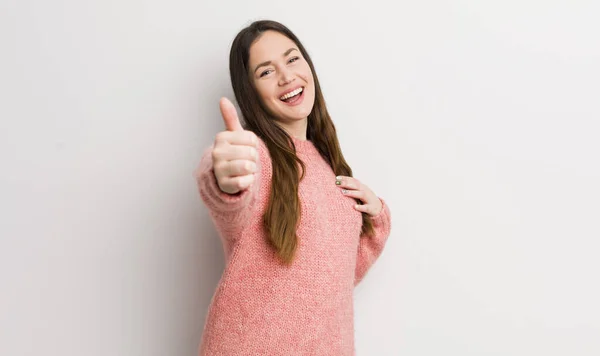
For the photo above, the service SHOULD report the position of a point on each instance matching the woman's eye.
(293, 59)
(265, 72)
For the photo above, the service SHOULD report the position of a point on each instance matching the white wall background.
(476, 120)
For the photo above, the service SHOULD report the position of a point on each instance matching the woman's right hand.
(235, 152)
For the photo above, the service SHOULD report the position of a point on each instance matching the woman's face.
(282, 77)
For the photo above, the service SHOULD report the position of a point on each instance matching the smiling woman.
(299, 232)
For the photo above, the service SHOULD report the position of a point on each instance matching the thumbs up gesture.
(235, 152)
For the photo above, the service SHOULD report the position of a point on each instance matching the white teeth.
(290, 94)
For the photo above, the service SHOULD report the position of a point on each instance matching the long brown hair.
(283, 210)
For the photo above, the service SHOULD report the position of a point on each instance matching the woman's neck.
(296, 128)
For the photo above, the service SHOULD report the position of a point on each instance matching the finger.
(239, 182)
(358, 194)
(363, 208)
(235, 152)
(229, 114)
(347, 182)
(240, 167)
(244, 137)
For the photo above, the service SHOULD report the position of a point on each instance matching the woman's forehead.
(271, 45)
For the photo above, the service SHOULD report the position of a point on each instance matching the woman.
(299, 232)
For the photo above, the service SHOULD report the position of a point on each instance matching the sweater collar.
(304, 146)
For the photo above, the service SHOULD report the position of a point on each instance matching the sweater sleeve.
(229, 212)
(370, 247)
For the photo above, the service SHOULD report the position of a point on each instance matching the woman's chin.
(299, 115)
(294, 115)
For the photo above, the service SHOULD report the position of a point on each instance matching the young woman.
(299, 232)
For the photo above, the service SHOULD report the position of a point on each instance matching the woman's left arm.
(370, 247)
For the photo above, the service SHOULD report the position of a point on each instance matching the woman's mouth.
(293, 98)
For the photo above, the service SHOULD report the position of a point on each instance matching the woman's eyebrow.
(263, 64)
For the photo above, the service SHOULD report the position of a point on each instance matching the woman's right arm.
(230, 212)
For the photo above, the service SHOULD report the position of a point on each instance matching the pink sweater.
(262, 307)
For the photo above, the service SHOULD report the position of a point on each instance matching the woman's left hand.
(353, 188)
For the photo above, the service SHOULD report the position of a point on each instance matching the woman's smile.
(293, 97)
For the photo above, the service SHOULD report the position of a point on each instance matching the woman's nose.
(285, 77)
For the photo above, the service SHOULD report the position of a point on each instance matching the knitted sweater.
(261, 306)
